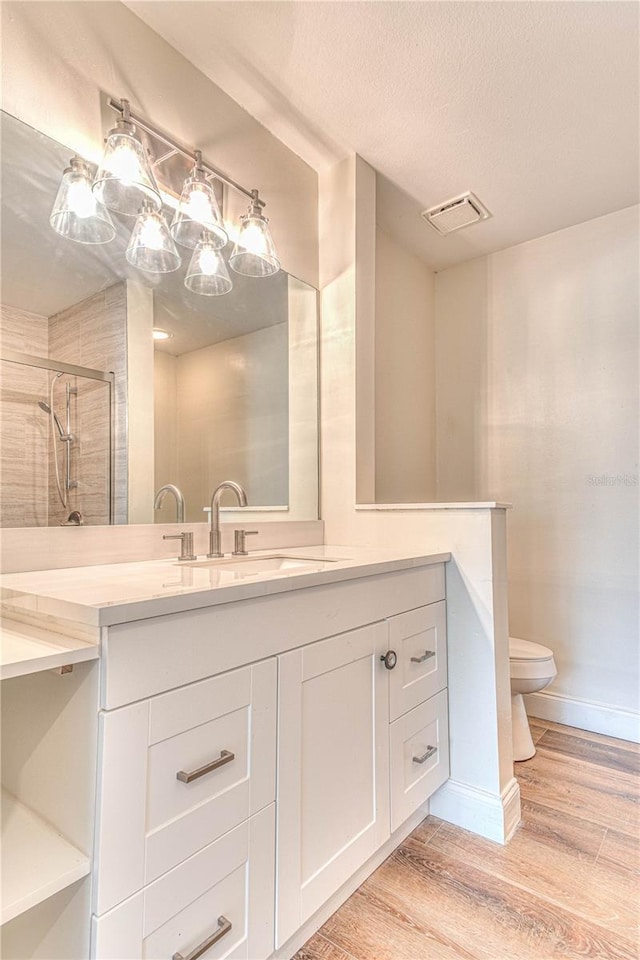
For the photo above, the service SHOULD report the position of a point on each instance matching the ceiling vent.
(455, 214)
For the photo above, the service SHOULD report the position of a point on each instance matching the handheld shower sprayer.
(64, 435)
(47, 409)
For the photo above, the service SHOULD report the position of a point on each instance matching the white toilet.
(532, 669)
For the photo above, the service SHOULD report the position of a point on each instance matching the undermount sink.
(252, 566)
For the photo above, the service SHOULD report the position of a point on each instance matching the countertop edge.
(128, 611)
(113, 615)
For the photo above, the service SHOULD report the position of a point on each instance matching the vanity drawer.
(419, 756)
(179, 771)
(197, 765)
(419, 638)
(226, 889)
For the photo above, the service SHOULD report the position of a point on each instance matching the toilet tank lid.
(527, 650)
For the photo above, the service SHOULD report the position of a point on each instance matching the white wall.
(538, 405)
(58, 57)
(482, 794)
(405, 385)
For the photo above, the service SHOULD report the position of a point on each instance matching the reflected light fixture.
(151, 247)
(125, 184)
(207, 273)
(160, 334)
(198, 210)
(254, 253)
(77, 213)
(124, 178)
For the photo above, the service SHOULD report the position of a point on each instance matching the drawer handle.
(425, 656)
(225, 757)
(224, 926)
(425, 756)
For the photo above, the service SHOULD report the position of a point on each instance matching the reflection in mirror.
(96, 414)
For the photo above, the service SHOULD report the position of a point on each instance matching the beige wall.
(140, 419)
(228, 419)
(538, 405)
(165, 429)
(24, 428)
(59, 56)
(405, 388)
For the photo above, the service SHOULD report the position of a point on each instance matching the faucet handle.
(239, 541)
(186, 544)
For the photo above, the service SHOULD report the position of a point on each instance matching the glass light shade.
(151, 246)
(198, 210)
(77, 213)
(207, 273)
(254, 254)
(124, 179)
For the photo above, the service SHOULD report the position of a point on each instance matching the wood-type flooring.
(566, 887)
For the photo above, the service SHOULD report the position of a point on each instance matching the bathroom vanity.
(262, 737)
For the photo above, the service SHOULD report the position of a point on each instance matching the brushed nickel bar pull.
(425, 756)
(425, 656)
(225, 757)
(224, 926)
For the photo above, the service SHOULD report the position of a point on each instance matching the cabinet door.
(419, 638)
(333, 768)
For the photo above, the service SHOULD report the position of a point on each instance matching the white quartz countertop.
(121, 592)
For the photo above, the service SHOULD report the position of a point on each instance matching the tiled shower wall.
(24, 427)
(93, 334)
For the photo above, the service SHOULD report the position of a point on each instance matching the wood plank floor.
(566, 886)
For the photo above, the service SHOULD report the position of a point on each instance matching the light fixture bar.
(122, 107)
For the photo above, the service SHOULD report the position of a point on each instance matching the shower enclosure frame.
(59, 366)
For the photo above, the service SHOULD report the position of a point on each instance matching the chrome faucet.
(186, 544)
(161, 494)
(214, 533)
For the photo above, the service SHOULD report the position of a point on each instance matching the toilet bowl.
(532, 668)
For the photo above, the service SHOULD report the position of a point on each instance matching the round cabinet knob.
(390, 658)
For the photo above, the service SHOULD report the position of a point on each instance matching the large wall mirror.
(116, 382)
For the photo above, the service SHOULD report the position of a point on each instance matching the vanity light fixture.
(124, 178)
(254, 253)
(198, 210)
(125, 183)
(151, 247)
(77, 213)
(207, 273)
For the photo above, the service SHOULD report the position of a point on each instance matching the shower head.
(47, 409)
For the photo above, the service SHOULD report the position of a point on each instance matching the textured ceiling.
(531, 105)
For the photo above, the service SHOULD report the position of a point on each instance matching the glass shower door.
(56, 443)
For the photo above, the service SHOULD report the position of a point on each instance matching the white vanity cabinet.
(235, 806)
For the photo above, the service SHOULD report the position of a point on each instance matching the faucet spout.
(214, 533)
(177, 493)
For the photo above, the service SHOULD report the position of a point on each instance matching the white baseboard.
(488, 814)
(585, 714)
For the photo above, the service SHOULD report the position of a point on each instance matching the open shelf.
(36, 861)
(28, 649)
